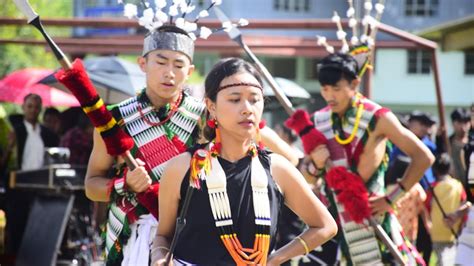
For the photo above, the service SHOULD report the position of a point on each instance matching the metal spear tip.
(26, 9)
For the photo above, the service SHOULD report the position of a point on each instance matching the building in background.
(403, 79)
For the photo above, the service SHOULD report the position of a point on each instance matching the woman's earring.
(261, 125)
(216, 148)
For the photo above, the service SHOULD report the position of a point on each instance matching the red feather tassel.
(311, 139)
(76, 80)
(118, 142)
(350, 192)
(149, 199)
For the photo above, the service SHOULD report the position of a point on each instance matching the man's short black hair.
(423, 117)
(460, 115)
(335, 67)
(51, 111)
(33, 96)
(172, 28)
(442, 164)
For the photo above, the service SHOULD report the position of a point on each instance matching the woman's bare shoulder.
(176, 168)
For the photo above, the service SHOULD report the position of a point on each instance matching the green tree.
(15, 56)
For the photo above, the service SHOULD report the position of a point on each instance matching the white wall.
(393, 85)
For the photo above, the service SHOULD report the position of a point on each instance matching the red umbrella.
(16, 85)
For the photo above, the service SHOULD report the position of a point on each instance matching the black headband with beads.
(255, 85)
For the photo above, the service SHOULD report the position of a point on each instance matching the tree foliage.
(16, 56)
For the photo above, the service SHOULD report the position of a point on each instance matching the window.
(296, 5)
(282, 67)
(276, 4)
(469, 63)
(419, 62)
(200, 3)
(292, 5)
(306, 5)
(421, 8)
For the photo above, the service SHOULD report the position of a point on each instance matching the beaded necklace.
(216, 181)
(351, 137)
(173, 110)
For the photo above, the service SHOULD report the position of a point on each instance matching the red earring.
(212, 123)
(259, 138)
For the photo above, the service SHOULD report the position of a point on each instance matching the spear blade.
(26, 9)
(234, 33)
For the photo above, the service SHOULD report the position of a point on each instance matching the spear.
(235, 34)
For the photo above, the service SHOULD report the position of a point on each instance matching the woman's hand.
(272, 260)
(162, 262)
(158, 255)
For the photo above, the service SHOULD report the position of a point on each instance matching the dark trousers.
(423, 241)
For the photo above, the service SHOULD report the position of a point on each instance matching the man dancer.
(357, 131)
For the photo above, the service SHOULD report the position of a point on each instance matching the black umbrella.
(114, 78)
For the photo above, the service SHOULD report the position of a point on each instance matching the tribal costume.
(346, 139)
(155, 143)
(200, 241)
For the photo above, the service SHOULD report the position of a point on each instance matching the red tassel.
(211, 123)
(311, 139)
(118, 142)
(78, 82)
(149, 199)
(299, 121)
(350, 192)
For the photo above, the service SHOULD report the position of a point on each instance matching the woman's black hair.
(224, 68)
(335, 67)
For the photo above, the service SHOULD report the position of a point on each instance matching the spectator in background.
(450, 196)
(31, 139)
(31, 136)
(420, 124)
(465, 247)
(460, 118)
(79, 141)
(408, 210)
(52, 120)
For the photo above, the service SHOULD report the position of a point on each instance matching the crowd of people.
(240, 187)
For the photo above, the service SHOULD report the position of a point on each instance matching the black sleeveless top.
(199, 242)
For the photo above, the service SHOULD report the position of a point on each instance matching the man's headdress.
(170, 30)
(360, 46)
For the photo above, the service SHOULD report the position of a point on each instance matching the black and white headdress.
(360, 46)
(155, 18)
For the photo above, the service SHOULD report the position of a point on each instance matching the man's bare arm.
(271, 139)
(100, 161)
(421, 157)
